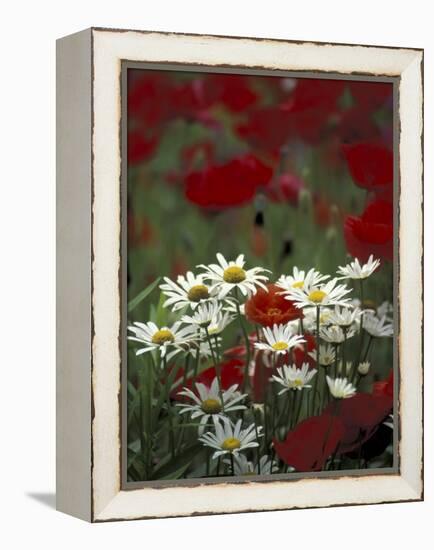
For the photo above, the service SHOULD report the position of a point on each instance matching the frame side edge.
(73, 275)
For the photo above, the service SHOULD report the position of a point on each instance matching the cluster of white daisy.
(213, 296)
(204, 304)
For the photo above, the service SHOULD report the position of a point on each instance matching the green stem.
(217, 367)
(247, 342)
(315, 384)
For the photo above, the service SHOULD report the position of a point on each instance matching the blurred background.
(288, 171)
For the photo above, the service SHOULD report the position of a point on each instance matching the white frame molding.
(89, 262)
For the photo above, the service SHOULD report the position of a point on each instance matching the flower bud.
(363, 368)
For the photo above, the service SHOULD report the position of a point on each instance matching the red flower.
(372, 232)
(234, 91)
(370, 164)
(148, 95)
(371, 94)
(310, 443)
(384, 388)
(286, 189)
(313, 105)
(139, 148)
(232, 372)
(269, 308)
(361, 415)
(301, 351)
(267, 128)
(231, 184)
(355, 124)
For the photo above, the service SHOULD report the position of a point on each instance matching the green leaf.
(177, 473)
(132, 304)
(175, 465)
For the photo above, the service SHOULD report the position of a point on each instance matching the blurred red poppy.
(231, 184)
(269, 308)
(148, 98)
(267, 128)
(370, 164)
(232, 372)
(234, 91)
(314, 105)
(139, 147)
(370, 94)
(372, 232)
(286, 188)
(301, 351)
(384, 387)
(307, 447)
(361, 415)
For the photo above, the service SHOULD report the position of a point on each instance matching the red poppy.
(361, 415)
(267, 128)
(140, 148)
(372, 232)
(301, 351)
(370, 164)
(371, 94)
(313, 106)
(140, 231)
(232, 372)
(384, 387)
(356, 124)
(270, 308)
(231, 184)
(307, 447)
(259, 241)
(234, 91)
(286, 188)
(322, 211)
(148, 98)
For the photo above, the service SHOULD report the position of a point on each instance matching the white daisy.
(300, 279)
(187, 291)
(378, 328)
(232, 306)
(364, 368)
(227, 276)
(340, 388)
(292, 378)
(203, 348)
(385, 310)
(219, 323)
(334, 334)
(326, 294)
(229, 438)
(208, 403)
(279, 339)
(327, 355)
(355, 270)
(204, 314)
(345, 316)
(309, 319)
(162, 339)
(243, 467)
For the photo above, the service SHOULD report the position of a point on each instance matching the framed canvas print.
(239, 274)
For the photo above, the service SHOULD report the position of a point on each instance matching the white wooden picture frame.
(89, 263)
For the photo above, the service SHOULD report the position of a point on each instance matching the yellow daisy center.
(317, 296)
(231, 443)
(162, 337)
(211, 406)
(234, 274)
(279, 346)
(198, 293)
(297, 383)
(298, 284)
